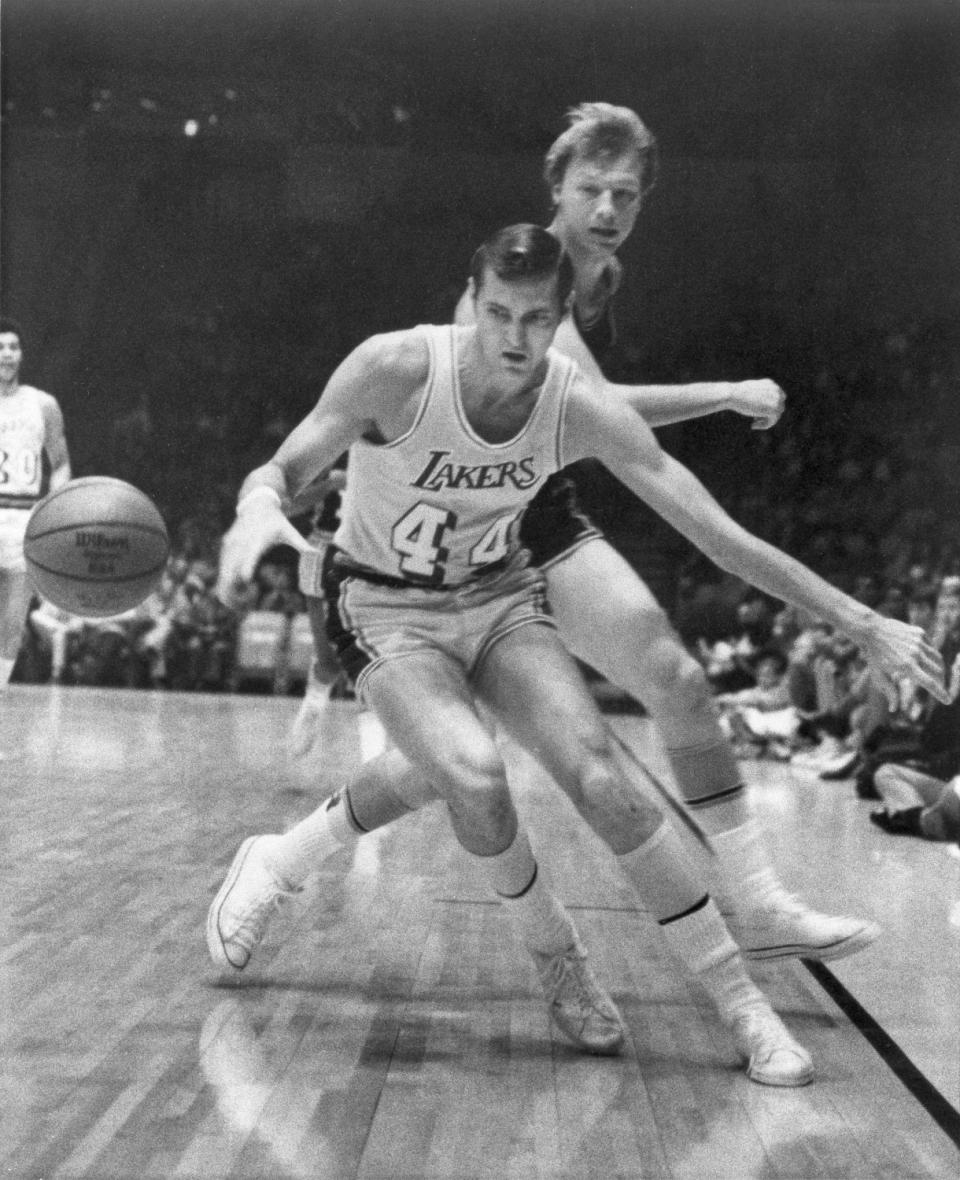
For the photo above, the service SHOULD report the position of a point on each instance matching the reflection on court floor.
(389, 1026)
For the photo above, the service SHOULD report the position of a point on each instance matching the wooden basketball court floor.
(389, 1027)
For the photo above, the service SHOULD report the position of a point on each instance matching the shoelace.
(250, 930)
(572, 986)
(756, 1025)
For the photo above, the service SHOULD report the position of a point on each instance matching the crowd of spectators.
(180, 638)
(789, 688)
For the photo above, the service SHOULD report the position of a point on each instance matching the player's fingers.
(926, 668)
(227, 589)
(233, 570)
(290, 536)
(935, 687)
(887, 686)
(929, 662)
(246, 568)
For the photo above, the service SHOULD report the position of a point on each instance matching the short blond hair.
(601, 129)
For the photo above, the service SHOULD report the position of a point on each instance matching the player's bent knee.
(613, 807)
(483, 817)
(678, 682)
(476, 776)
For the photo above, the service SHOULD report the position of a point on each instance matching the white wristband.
(258, 494)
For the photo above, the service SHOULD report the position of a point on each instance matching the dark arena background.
(206, 204)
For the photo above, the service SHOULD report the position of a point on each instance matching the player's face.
(948, 608)
(597, 202)
(10, 356)
(516, 323)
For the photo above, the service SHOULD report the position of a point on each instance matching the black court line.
(943, 1112)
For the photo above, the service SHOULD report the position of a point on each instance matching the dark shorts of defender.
(555, 524)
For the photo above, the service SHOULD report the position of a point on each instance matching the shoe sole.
(791, 1081)
(214, 940)
(835, 950)
(606, 1049)
(832, 774)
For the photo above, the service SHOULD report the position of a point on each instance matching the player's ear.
(472, 289)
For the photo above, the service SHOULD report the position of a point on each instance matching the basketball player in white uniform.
(433, 607)
(33, 461)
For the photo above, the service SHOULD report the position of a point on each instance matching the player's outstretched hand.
(898, 651)
(260, 524)
(762, 400)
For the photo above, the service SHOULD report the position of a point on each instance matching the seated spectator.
(921, 608)
(894, 602)
(761, 719)
(104, 651)
(868, 709)
(928, 738)
(946, 617)
(828, 687)
(153, 640)
(804, 641)
(917, 804)
(202, 640)
(729, 663)
(279, 592)
(54, 628)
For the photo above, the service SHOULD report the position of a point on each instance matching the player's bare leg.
(537, 692)
(14, 601)
(325, 673)
(626, 636)
(428, 711)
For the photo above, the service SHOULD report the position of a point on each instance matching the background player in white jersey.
(433, 607)
(33, 461)
(598, 172)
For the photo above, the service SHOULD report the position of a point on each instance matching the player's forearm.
(661, 405)
(677, 495)
(785, 578)
(270, 476)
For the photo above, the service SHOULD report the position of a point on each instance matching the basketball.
(96, 547)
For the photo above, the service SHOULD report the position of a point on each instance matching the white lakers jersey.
(22, 433)
(439, 504)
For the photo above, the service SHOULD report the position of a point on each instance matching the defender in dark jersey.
(599, 171)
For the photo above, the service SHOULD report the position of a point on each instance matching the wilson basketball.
(96, 547)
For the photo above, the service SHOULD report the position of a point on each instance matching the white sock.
(702, 942)
(745, 877)
(659, 870)
(306, 846)
(538, 916)
(6, 671)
